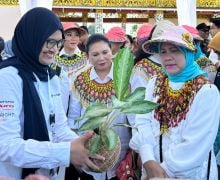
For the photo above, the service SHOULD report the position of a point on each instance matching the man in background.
(83, 38)
(204, 34)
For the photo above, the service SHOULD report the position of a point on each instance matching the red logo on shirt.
(7, 105)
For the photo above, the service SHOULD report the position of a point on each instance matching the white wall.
(9, 16)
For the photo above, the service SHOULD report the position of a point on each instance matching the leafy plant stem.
(111, 117)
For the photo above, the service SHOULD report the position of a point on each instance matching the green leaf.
(138, 94)
(94, 144)
(116, 104)
(123, 64)
(139, 107)
(92, 123)
(125, 125)
(109, 138)
(95, 110)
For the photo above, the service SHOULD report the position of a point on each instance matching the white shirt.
(140, 77)
(76, 110)
(213, 57)
(65, 89)
(67, 77)
(185, 147)
(16, 153)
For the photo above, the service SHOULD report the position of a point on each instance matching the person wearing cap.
(70, 60)
(117, 38)
(83, 38)
(204, 33)
(176, 139)
(205, 64)
(143, 34)
(203, 30)
(146, 65)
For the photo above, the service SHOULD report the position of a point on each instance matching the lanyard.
(51, 115)
(51, 107)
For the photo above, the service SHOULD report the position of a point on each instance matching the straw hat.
(116, 34)
(174, 34)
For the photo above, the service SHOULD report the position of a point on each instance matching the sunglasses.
(50, 43)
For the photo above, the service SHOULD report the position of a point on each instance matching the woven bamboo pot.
(111, 157)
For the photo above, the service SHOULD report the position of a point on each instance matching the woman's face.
(51, 48)
(172, 59)
(100, 56)
(71, 39)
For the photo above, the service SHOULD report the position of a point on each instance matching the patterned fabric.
(71, 63)
(148, 68)
(174, 104)
(89, 91)
(204, 62)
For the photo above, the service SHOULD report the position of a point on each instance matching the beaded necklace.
(72, 63)
(204, 62)
(149, 68)
(89, 91)
(174, 104)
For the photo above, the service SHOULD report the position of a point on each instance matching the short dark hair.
(215, 21)
(130, 38)
(202, 27)
(85, 28)
(94, 39)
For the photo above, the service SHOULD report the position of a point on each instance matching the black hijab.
(30, 34)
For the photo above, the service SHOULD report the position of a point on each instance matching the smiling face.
(100, 56)
(48, 51)
(172, 59)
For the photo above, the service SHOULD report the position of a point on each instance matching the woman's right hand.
(154, 170)
(80, 156)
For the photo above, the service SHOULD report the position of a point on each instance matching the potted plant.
(100, 117)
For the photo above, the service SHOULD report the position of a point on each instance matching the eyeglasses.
(50, 43)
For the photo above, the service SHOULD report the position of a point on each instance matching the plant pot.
(111, 157)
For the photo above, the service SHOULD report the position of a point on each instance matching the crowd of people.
(51, 72)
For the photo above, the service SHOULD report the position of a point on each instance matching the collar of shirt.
(94, 76)
(77, 52)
